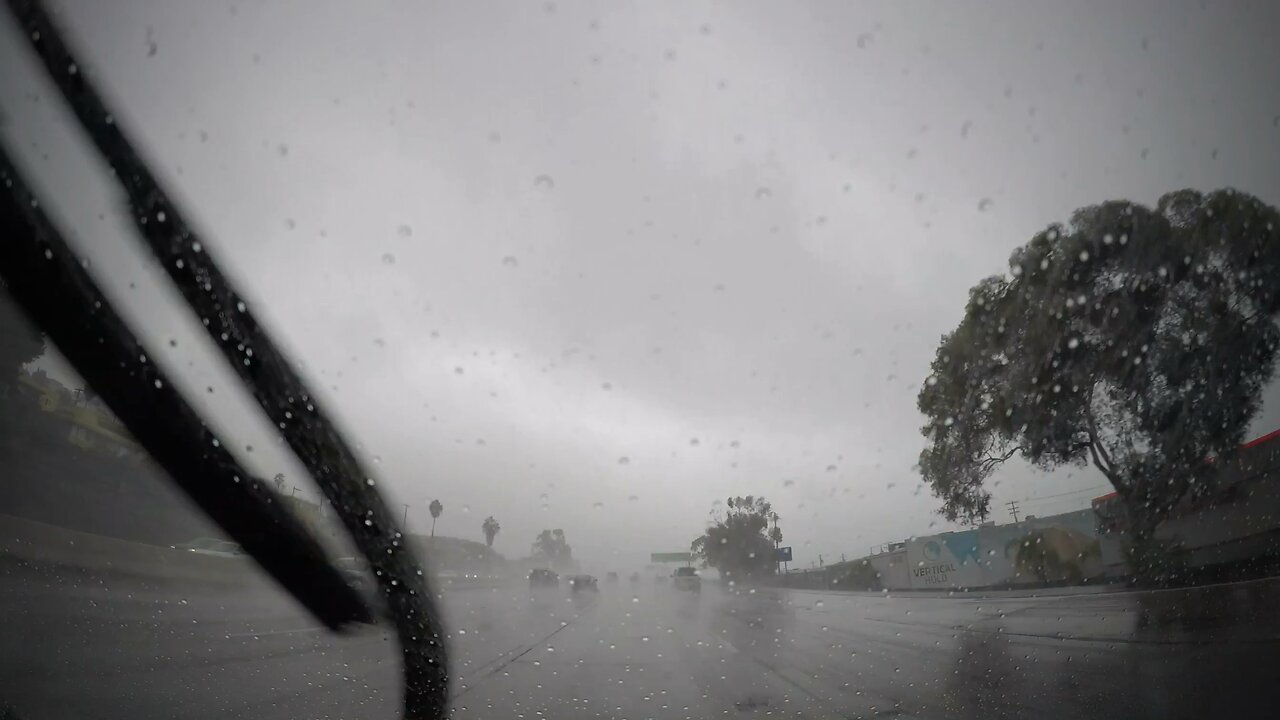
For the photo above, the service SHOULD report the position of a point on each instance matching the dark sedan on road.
(583, 583)
(542, 578)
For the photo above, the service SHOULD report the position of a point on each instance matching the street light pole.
(404, 521)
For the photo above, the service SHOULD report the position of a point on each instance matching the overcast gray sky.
(596, 266)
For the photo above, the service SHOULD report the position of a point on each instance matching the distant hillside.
(450, 553)
(48, 475)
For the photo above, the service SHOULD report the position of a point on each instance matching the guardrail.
(43, 544)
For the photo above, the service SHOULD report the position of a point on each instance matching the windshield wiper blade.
(271, 379)
(57, 293)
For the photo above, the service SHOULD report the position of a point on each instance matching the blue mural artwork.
(963, 545)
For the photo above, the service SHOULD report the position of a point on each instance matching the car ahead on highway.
(210, 546)
(542, 577)
(686, 578)
(583, 583)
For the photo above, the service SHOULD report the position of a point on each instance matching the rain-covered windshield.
(806, 359)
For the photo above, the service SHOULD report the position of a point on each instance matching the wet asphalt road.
(77, 645)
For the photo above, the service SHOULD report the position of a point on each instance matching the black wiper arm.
(267, 374)
(49, 283)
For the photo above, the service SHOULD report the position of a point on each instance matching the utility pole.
(404, 521)
(1013, 509)
(775, 544)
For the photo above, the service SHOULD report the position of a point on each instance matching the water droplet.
(388, 259)
(984, 204)
(763, 193)
(624, 460)
(597, 505)
(404, 231)
(544, 182)
(1073, 343)
(510, 261)
(864, 39)
(633, 498)
(820, 603)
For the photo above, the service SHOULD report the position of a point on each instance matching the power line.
(1040, 498)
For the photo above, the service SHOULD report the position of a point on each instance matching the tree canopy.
(738, 542)
(491, 529)
(551, 547)
(1135, 339)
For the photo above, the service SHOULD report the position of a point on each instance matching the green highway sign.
(671, 557)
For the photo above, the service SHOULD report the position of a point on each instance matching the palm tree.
(491, 529)
(436, 508)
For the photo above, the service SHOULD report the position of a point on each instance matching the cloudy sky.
(596, 266)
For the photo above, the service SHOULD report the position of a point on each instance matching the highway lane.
(87, 645)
